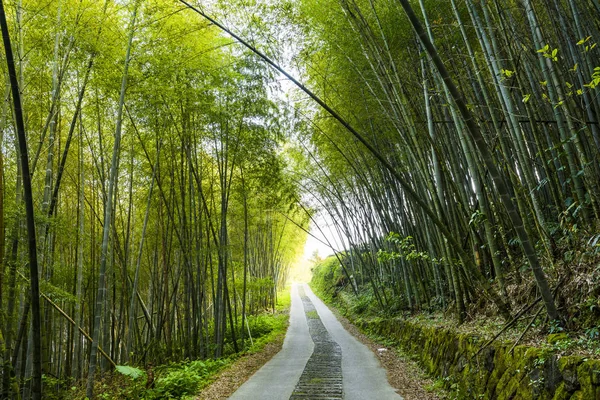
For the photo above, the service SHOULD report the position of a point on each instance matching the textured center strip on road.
(322, 376)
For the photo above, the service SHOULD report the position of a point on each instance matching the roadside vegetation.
(183, 379)
(580, 337)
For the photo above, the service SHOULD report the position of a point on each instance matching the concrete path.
(277, 378)
(298, 373)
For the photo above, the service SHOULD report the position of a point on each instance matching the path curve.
(288, 374)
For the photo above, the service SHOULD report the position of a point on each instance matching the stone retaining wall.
(527, 373)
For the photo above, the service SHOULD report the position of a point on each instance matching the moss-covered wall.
(527, 373)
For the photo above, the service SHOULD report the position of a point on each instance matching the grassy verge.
(274, 324)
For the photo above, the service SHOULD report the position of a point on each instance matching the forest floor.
(403, 374)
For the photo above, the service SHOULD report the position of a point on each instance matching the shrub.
(176, 384)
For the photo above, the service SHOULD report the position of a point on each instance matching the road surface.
(319, 360)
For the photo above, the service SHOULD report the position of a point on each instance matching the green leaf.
(131, 372)
(526, 98)
(582, 41)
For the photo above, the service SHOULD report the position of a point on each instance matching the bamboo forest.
(166, 166)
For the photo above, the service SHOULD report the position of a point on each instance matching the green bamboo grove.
(486, 115)
(163, 210)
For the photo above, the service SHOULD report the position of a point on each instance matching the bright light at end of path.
(315, 249)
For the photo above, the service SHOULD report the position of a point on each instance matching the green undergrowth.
(547, 336)
(177, 380)
(580, 335)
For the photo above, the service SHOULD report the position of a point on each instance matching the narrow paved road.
(319, 360)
